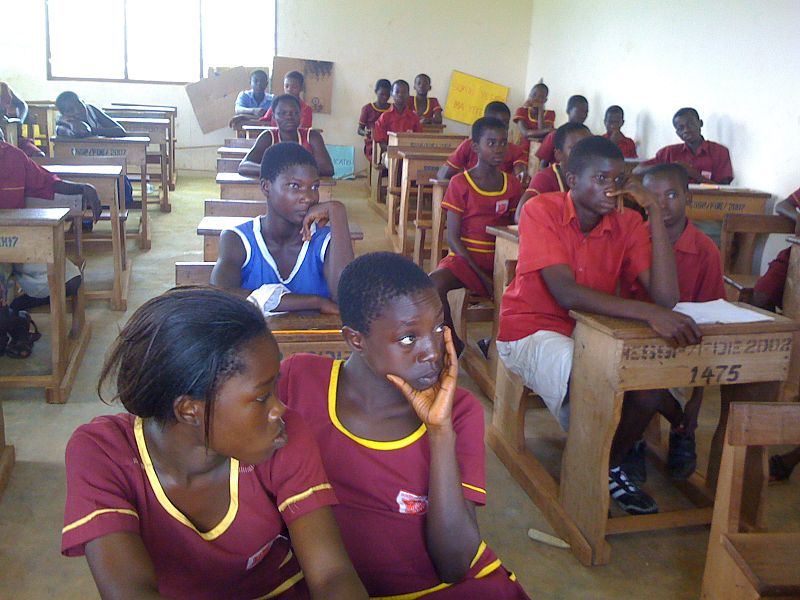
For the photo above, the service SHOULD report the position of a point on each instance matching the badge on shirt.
(262, 552)
(501, 207)
(706, 174)
(411, 504)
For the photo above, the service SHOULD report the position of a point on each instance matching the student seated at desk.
(196, 491)
(574, 249)
(14, 107)
(577, 111)
(372, 111)
(699, 269)
(293, 255)
(427, 108)
(287, 115)
(399, 118)
(527, 116)
(79, 119)
(552, 178)
(401, 443)
(293, 84)
(613, 121)
(254, 102)
(474, 200)
(464, 156)
(705, 161)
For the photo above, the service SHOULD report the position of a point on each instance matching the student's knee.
(444, 281)
(73, 285)
(643, 401)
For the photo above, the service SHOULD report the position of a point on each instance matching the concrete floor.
(659, 565)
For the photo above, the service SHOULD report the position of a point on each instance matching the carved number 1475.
(716, 374)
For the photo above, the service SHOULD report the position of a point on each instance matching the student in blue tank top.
(291, 257)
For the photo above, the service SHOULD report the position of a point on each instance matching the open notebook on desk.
(719, 311)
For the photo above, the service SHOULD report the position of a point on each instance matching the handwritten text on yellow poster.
(468, 96)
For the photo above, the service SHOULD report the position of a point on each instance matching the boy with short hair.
(294, 84)
(399, 118)
(464, 156)
(427, 108)
(705, 161)
(552, 179)
(256, 101)
(474, 200)
(574, 248)
(699, 269)
(613, 121)
(79, 119)
(577, 111)
(533, 120)
(372, 111)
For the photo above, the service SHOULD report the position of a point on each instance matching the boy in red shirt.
(427, 108)
(699, 269)
(399, 118)
(552, 178)
(401, 443)
(464, 156)
(371, 112)
(613, 121)
(533, 120)
(293, 83)
(574, 248)
(475, 199)
(577, 111)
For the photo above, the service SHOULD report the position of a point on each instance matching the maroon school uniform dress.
(306, 116)
(549, 179)
(711, 159)
(370, 113)
(478, 209)
(463, 158)
(399, 122)
(383, 490)
(772, 283)
(431, 107)
(20, 177)
(626, 145)
(113, 487)
(531, 117)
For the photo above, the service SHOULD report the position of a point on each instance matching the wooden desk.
(713, 202)
(11, 131)
(42, 115)
(228, 152)
(211, 228)
(145, 111)
(107, 179)
(132, 149)
(6, 454)
(36, 235)
(158, 132)
(613, 356)
(433, 127)
(413, 161)
(309, 332)
(253, 130)
(233, 186)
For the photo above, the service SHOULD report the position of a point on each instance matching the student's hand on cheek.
(319, 214)
(634, 189)
(434, 406)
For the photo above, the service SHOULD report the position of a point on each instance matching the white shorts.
(544, 361)
(32, 277)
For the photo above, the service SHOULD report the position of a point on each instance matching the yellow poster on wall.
(468, 96)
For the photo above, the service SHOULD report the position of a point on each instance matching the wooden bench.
(742, 564)
(211, 228)
(35, 235)
(214, 207)
(233, 152)
(6, 454)
(228, 165)
(239, 187)
(42, 116)
(158, 132)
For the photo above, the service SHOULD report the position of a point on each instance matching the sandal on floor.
(778, 470)
(22, 339)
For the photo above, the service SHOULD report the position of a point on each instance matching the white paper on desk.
(719, 311)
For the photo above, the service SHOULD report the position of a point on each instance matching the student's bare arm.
(458, 248)
(324, 162)
(570, 295)
(251, 163)
(787, 208)
(253, 112)
(122, 568)
(227, 272)
(107, 126)
(340, 248)
(437, 117)
(446, 171)
(319, 548)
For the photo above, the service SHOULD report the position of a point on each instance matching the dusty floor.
(658, 565)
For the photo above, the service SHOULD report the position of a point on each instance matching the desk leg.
(165, 205)
(401, 245)
(173, 174)
(437, 226)
(391, 198)
(118, 299)
(58, 313)
(145, 242)
(6, 455)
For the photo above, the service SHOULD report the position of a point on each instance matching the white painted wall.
(366, 40)
(737, 62)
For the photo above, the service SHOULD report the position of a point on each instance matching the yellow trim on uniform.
(381, 110)
(455, 209)
(557, 171)
(478, 554)
(286, 558)
(481, 250)
(483, 242)
(167, 504)
(373, 444)
(488, 569)
(474, 488)
(283, 587)
(427, 105)
(303, 495)
(92, 515)
(414, 595)
(484, 192)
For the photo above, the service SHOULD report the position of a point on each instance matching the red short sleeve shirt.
(393, 120)
(22, 178)
(431, 107)
(626, 145)
(548, 148)
(531, 116)
(712, 160)
(550, 179)
(383, 486)
(306, 115)
(549, 234)
(464, 157)
(369, 114)
(795, 197)
(112, 486)
(479, 209)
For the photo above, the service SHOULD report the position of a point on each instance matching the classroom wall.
(736, 62)
(366, 40)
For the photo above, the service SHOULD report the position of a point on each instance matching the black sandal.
(22, 339)
(778, 470)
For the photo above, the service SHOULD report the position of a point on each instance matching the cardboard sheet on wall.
(318, 76)
(213, 99)
(344, 161)
(469, 95)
